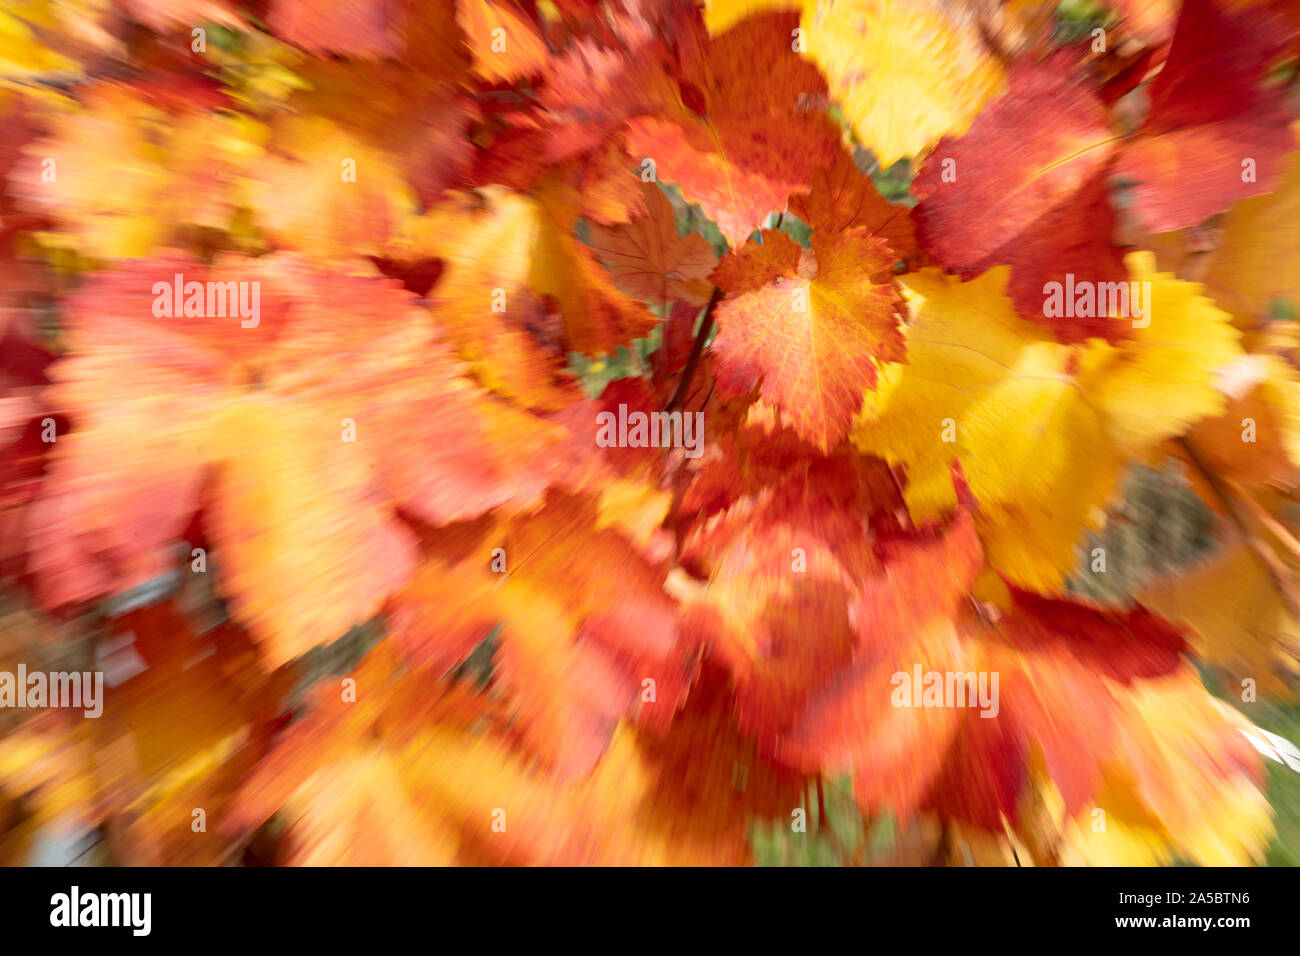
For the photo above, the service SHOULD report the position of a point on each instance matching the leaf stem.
(697, 350)
(1276, 569)
(1276, 528)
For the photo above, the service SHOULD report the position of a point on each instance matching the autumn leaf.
(526, 248)
(1239, 621)
(843, 198)
(561, 614)
(44, 764)
(1216, 132)
(121, 166)
(34, 44)
(178, 718)
(392, 120)
(321, 204)
(756, 456)
(1041, 428)
(722, 15)
(355, 781)
(1058, 219)
(810, 325)
(23, 420)
(1150, 20)
(737, 138)
(930, 70)
(505, 45)
(382, 418)
(1046, 655)
(795, 600)
(1184, 770)
(297, 501)
(1263, 405)
(648, 259)
(594, 87)
(1048, 215)
(181, 732)
(633, 483)
(486, 301)
(709, 783)
(160, 16)
(427, 788)
(1254, 269)
(368, 28)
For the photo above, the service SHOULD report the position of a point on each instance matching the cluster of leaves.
(366, 587)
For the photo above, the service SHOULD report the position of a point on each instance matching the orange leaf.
(579, 608)
(812, 325)
(843, 198)
(738, 138)
(648, 259)
(306, 468)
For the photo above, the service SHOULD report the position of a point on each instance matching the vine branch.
(697, 350)
(1260, 548)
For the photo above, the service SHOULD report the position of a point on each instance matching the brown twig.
(1277, 570)
(697, 350)
(1206, 241)
(943, 847)
(824, 829)
(1261, 514)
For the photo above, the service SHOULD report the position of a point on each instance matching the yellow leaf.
(1238, 620)
(1159, 382)
(502, 258)
(1186, 786)
(22, 55)
(328, 193)
(1041, 428)
(722, 15)
(125, 177)
(1259, 259)
(906, 72)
